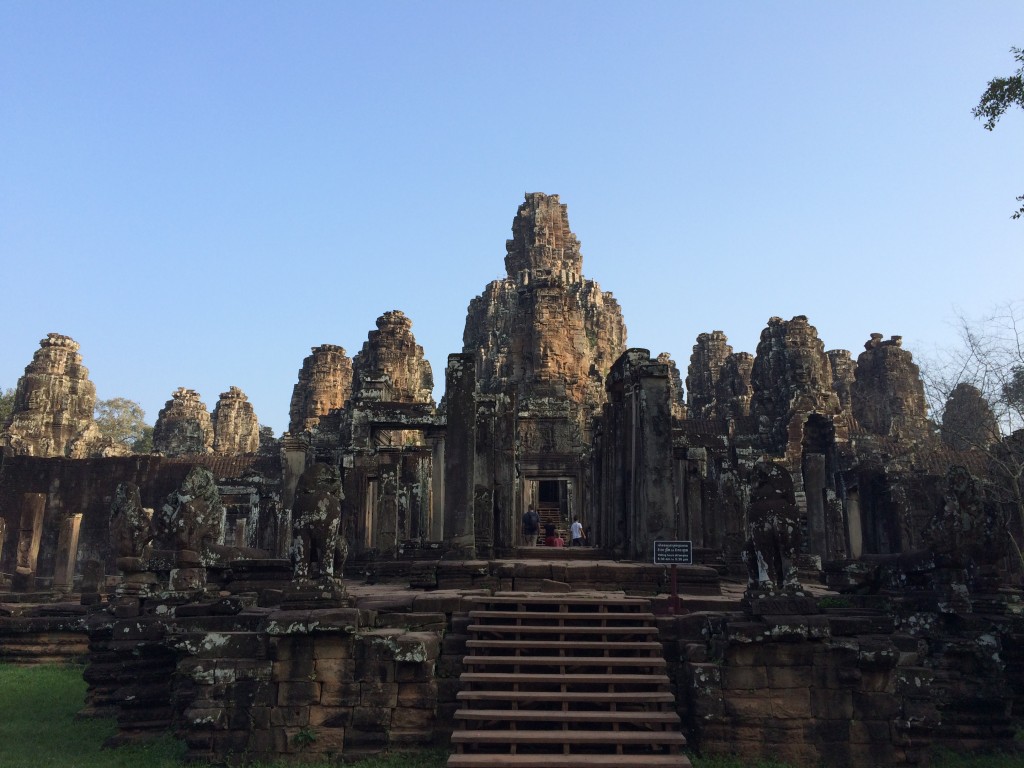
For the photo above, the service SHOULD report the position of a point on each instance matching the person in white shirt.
(576, 537)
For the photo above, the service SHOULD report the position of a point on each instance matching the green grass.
(38, 729)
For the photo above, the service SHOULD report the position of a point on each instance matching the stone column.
(435, 526)
(460, 382)
(67, 553)
(33, 507)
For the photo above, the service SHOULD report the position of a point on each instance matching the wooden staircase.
(565, 680)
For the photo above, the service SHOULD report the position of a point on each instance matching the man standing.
(531, 524)
(576, 537)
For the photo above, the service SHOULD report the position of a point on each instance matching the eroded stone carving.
(844, 370)
(544, 327)
(192, 517)
(733, 391)
(706, 360)
(675, 387)
(318, 549)
(968, 422)
(324, 386)
(184, 426)
(235, 426)
(774, 528)
(53, 406)
(791, 377)
(130, 525)
(887, 392)
(390, 366)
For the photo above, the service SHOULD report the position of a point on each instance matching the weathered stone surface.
(791, 378)
(235, 426)
(544, 324)
(53, 406)
(324, 385)
(968, 529)
(192, 517)
(318, 551)
(733, 391)
(968, 422)
(774, 528)
(706, 361)
(390, 366)
(887, 393)
(844, 371)
(675, 387)
(130, 530)
(183, 426)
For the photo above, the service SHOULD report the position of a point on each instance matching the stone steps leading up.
(565, 681)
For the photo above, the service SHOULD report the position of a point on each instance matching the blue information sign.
(673, 553)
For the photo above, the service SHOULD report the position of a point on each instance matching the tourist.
(576, 536)
(531, 525)
(551, 537)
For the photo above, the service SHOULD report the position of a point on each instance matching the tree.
(6, 405)
(1001, 94)
(123, 421)
(989, 361)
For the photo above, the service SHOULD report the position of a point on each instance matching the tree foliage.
(123, 421)
(1002, 94)
(990, 360)
(6, 405)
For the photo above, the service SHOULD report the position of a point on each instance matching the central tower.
(541, 341)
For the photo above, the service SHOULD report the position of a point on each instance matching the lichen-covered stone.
(235, 426)
(887, 392)
(844, 370)
(318, 548)
(324, 385)
(675, 387)
(53, 406)
(130, 529)
(192, 517)
(791, 377)
(390, 366)
(543, 326)
(706, 360)
(183, 426)
(733, 391)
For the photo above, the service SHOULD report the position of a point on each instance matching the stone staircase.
(567, 680)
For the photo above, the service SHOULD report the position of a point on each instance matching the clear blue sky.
(199, 192)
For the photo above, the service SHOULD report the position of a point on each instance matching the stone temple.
(875, 611)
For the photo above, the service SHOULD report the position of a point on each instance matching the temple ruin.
(848, 554)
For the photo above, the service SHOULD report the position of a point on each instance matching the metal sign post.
(673, 553)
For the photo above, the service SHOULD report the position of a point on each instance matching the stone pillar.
(240, 532)
(67, 553)
(642, 424)
(483, 472)
(460, 382)
(33, 507)
(814, 490)
(435, 527)
(854, 534)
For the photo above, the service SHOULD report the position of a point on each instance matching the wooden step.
(568, 761)
(635, 718)
(570, 738)
(515, 629)
(568, 679)
(533, 598)
(589, 697)
(531, 616)
(650, 646)
(565, 661)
